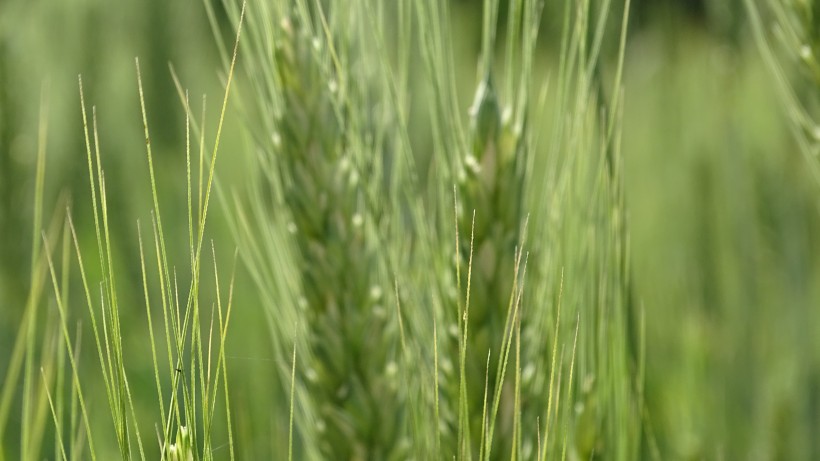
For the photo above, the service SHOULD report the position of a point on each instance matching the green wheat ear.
(491, 185)
(489, 217)
(182, 449)
(323, 143)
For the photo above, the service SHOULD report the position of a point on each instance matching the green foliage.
(64, 386)
(467, 230)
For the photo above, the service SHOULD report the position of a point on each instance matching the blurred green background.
(723, 213)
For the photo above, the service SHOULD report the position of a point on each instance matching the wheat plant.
(434, 225)
(317, 221)
(502, 254)
(535, 216)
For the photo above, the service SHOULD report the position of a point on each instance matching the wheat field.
(410, 230)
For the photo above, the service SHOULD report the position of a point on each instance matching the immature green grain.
(490, 189)
(566, 199)
(325, 156)
(489, 155)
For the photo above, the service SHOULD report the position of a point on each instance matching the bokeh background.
(723, 212)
